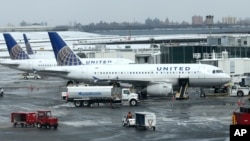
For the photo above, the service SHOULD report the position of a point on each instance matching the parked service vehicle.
(31, 76)
(237, 90)
(41, 118)
(242, 117)
(87, 95)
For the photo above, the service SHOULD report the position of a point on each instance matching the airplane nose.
(226, 78)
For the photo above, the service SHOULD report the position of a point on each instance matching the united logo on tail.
(27, 44)
(15, 51)
(64, 55)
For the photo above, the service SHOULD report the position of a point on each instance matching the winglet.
(15, 51)
(27, 44)
(64, 55)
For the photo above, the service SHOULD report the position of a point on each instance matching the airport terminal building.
(237, 47)
(226, 52)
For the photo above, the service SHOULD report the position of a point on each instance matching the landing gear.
(202, 94)
(70, 83)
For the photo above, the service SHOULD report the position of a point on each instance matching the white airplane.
(157, 79)
(21, 61)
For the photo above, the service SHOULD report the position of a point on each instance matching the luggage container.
(24, 119)
(146, 120)
(242, 117)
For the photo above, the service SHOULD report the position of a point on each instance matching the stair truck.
(84, 96)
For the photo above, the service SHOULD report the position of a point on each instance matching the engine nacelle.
(160, 89)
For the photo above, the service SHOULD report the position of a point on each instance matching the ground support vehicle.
(241, 117)
(41, 118)
(237, 90)
(45, 119)
(128, 121)
(87, 95)
(27, 76)
(24, 119)
(64, 95)
(145, 120)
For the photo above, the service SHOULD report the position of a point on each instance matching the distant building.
(32, 28)
(209, 20)
(229, 20)
(197, 20)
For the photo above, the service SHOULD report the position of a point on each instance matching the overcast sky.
(62, 12)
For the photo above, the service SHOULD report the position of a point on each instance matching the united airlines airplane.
(21, 61)
(27, 45)
(157, 79)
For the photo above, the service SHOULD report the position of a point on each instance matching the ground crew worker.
(129, 115)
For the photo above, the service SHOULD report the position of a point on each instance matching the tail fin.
(27, 44)
(15, 51)
(64, 55)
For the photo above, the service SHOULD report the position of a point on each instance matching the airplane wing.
(136, 82)
(53, 72)
(10, 65)
(115, 80)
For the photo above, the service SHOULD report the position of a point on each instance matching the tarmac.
(194, 119)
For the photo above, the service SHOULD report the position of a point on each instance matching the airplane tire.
(70, 83)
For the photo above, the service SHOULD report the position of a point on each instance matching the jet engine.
(159, 89)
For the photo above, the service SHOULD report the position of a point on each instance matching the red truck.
(23, 119)
(242, 117)
(41, 118)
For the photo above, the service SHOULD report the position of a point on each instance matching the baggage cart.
(24, 119)
(146, 120)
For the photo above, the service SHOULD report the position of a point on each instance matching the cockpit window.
(217, 71)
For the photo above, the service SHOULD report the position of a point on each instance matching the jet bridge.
(183, 84)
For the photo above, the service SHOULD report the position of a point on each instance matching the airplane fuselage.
(199, 75)
(31, 65)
